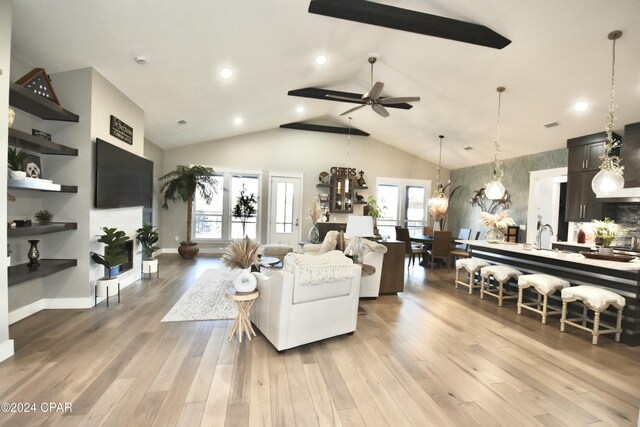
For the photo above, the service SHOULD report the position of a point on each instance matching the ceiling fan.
(373, 97)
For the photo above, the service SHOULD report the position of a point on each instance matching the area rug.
(206, 299)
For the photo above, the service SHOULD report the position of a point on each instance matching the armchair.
(297, 306)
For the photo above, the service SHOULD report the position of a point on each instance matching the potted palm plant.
(245, 208)
(15, 160)
(148, 238)
(181, 185)
(114, 255)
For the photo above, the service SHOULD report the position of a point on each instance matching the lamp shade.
(494, 190)
(359, 226)
(607, 182)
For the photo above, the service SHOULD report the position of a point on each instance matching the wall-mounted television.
(122, 178)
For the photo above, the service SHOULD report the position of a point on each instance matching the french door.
(284, 210)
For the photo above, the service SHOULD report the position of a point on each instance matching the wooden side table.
(367, 270)
(244, 301)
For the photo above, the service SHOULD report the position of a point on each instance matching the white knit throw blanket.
(311, 270)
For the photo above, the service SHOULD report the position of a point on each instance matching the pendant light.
(610, 178)
(438, 198)
(494, 190)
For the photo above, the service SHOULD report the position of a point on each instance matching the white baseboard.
(49, 304)
(219, 251)
(6, 349)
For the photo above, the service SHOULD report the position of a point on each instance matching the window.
(409, 211)
(214, 221)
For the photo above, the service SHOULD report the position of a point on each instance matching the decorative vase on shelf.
(245, 281)
(33, 253)
(495, 235)
(314, 234)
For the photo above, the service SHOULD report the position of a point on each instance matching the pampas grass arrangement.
(241, 253)
(500, 220)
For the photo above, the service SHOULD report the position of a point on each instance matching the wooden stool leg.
(472, 280)
(544, 309)
(500, 285)
(520, 291)
(563, 316)
(619, 325)
(457, 271)
(585, 315)
(482, 287)
(538, 300)
(596, 328)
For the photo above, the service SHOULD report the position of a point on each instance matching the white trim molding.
(6, 349)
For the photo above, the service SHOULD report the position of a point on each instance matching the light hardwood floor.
(432, 355)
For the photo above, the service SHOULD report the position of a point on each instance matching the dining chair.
(402, 234)
(461, 250)
(427, 231)
(441, 247)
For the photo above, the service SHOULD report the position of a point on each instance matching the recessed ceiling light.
(237, 120)
(300, 109)
(581, 106)
(141, 60)
(321, 59)
(182, 122)
(226, 73)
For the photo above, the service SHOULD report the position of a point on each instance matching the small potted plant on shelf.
(15, 159)
(374, 210)
(181, 185)
(148, 238)
(43, 217)
(606, 231)
(114, 255)
(245, 208)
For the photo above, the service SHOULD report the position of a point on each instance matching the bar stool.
(598, 300)
(501, 274)
(544, 285)
(472, 265)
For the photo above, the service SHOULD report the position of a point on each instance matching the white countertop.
(633, 265)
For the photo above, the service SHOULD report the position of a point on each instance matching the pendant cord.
(612, 107)
(349, 144)
(497, 140)
(440, 161)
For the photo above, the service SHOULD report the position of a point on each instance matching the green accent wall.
(515, 180)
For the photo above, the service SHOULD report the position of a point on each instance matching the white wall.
(6, 345)
(289, 150)
(156, 155)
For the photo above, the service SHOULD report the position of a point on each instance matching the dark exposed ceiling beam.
(396, 18)
(318, 93)
(323, 128)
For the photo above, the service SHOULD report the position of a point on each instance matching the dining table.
(425, 240)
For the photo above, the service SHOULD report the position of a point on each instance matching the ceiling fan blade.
(342, 98)
(354, 98)
(352, 109)
(399, 100)
(380, 110)
(375, 91)
(383, 15)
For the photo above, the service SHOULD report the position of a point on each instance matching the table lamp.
(359, 227)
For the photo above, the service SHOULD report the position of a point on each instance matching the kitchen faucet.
(539, 236)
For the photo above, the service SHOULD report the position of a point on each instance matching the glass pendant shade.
(607, 182)
(439, 201)
(494, 190)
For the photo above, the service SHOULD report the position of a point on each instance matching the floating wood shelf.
(39, 145)
(35, 230)
(32, 103)
(23, 272)
(41, 186)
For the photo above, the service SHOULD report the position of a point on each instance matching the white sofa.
(290, 313)
(374, 255)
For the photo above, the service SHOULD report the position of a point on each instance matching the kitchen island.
(620, 277)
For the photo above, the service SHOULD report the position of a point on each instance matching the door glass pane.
(284, 207)
(208, 216)
(415, 210)
(388, 196)
(250, 185)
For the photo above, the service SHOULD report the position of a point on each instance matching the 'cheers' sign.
(336, 170)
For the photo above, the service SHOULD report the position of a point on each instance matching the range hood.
(626, 195)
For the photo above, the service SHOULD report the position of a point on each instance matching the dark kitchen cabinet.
(582, 204)
(583, 164)
(630, 154)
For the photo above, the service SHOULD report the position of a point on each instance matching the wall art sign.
(337, 170)
(41, 134)
(121, 130)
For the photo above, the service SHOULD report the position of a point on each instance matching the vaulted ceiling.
(559, 54)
